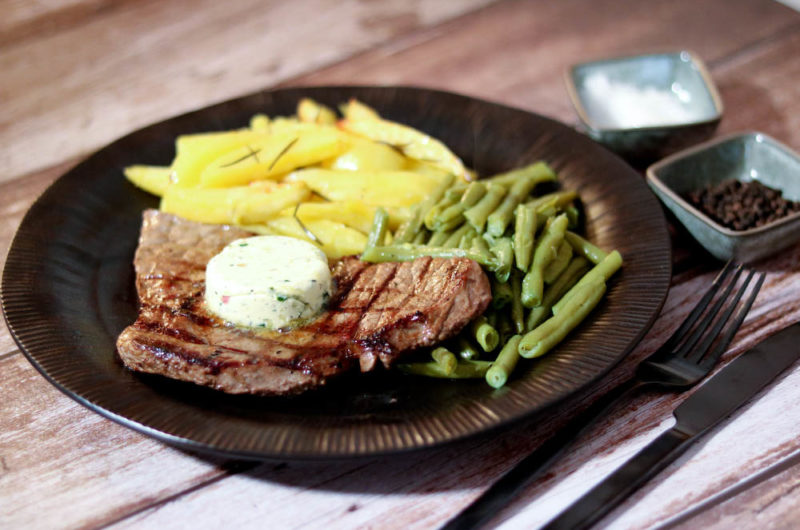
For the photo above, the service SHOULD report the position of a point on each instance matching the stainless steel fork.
(681, 362)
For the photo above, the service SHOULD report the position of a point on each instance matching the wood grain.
(79, 73)
(137, 64)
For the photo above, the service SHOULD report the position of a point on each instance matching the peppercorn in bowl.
(738, 195)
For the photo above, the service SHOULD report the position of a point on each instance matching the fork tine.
(708, 318)
(699, 351)
(725, 341)
(690, 320)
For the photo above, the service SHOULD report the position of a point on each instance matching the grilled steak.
(376, 313)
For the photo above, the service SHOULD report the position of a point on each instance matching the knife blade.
(715, 400)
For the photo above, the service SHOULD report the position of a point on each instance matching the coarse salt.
(618, 105)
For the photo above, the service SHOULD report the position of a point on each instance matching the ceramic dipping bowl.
(645, 107)
(744, 156)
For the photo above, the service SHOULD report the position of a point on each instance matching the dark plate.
(68, 290)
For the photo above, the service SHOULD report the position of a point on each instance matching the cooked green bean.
(499, 219)
(553, 330)
(600, 272)
(479, 248)
(505, 328)
(573, 215)
(524, 236)
(455, 238)
(377, 234)
(406, 233)
(466, 239)
(450, 198)
(506, 360)
(409, 252)
(558, 199)
(485, 334)
(583, 247)
(438, 238)
(502, 293)
(561, 261)
(477, 215)
(466, 350)
(503, 251)
(445, 358)
(553, 293)
(538, 171)
(421, 237)
(409, 231)
(463, 370)
(454, 215)
(517, 310)
(545, 252)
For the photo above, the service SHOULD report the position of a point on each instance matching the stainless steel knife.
(720, 396)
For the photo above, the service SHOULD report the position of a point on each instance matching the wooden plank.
(23, 19)
(525, 47)
(62, 466)
(72, 91)
(776, 500)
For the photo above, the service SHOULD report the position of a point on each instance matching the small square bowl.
(645, 107)
(744, 156)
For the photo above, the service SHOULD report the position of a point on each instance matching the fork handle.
(615, 488)
(534, 465)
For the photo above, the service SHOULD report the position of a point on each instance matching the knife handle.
(607, 495)
(534, 465)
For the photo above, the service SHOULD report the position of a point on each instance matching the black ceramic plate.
(68, 290)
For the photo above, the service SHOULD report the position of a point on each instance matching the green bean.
(573, 215)
(485, 334)
(422, 209)
(477, 215)
(553, 330)
(409, 252)
(377, 234)
(517, 311)
(466, 350)
(553, 293)
(524, 236)
(420, 238)
(445, 358)
(545, 252)
(466, 239)
(544, 215)
(453, 215)
(478, 248)
(600, 272)
(438, 238)
(503, 251)
(406, 233)
(455, 238)
(561, 261)
(501, 294)
(463, 370)
(498, 220)
(506, 360)
(558, 199)
(450, 198)
(538, 171)
(505, 328)
(583, 247)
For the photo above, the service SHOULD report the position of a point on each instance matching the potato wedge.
(376, 188)
(413, 143)
(271, 158)
(335, 239)
(260, 123)
(196, 151)
(356, 110)
(354, 214)
(366, 155)
(240, 205)
(152, 179)
(310, 111)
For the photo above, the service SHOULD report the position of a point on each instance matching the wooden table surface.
(77, 74)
